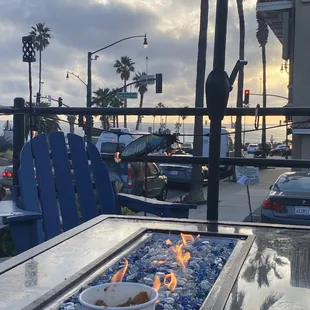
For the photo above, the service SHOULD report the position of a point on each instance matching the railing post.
(18, 137)
(217, 93)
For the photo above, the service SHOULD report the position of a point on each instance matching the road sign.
(247, 175)
(127, 95)
(147, 79)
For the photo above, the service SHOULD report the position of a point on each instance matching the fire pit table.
(192, 264)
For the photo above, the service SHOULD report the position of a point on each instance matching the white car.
(252, 148)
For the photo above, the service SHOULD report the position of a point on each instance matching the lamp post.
(89, 77)
(77, 76)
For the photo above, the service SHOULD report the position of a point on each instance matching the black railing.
(18, 110)
(155, 111)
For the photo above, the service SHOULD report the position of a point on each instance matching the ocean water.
(278, 134)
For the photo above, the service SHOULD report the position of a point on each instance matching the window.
(110, 147)
(293, 184)
(152, 170)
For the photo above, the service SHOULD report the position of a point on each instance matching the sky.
(172, 26)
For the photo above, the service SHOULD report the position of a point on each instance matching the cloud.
(81, 26)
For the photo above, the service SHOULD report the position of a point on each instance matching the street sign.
(127, 95)
(147, 79)
(247, 175)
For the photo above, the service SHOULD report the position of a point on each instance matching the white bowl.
(114, 294)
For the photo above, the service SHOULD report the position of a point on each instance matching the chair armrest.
(26, 229)
(156, 207)
(23, 216)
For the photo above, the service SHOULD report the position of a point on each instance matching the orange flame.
(181, 258)
(187, 238)
(159, 262)
(156, 284)
(168, 242)
(119, 275)
(170, 281)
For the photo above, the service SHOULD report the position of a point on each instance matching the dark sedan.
(289, 200)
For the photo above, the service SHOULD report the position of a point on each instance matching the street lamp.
(77, 76)
(89, 75)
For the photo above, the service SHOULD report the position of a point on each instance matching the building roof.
(271, 11)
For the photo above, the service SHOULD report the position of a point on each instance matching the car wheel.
(163, 195)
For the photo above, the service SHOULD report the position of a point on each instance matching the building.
(289, 20)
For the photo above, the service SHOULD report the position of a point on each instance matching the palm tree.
(238, 124)
(196, 185)
(41, 35)
(262, 38)
(107, 98)
(115, 103)
(177, 127)
(124, 67)
(102, 99)
(142, 89)
(47, 124)
(71, 120)
(184, 117)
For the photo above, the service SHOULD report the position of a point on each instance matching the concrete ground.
(233, 205)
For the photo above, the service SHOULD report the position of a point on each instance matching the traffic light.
(159, 83)
(59, 102)
(246, 96)
(81, 121)
(92, 121)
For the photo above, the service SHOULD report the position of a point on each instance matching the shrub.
(5, 145)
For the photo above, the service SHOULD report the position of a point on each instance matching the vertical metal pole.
(30, 100)
(88, 130)
(18, 137)
(217, 92)
(249, 201)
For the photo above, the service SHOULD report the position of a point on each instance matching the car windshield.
(110, 147)
(293, 184)
(253, 145)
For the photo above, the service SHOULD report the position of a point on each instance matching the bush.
(5, 145)
(126, 211)
(7, 248)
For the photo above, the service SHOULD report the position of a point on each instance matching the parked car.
(132, 179)
(288, 201)
(260, 151)
(252, 148)
(281, 150)
(225, 170)
(188, 147)
(6, 179)
(181, 173)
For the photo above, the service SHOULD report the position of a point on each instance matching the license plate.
(174, 172)
(302, 211)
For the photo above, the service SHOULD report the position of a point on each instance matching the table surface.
(275, 275)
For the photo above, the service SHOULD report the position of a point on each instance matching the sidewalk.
(233, 205)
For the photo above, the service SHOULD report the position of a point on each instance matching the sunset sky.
(86, 25)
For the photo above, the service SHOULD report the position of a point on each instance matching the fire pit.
(183, 267)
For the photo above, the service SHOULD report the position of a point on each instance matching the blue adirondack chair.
(48, 190)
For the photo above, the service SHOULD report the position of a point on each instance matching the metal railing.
(18, 110)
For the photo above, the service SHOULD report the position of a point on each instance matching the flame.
(168, 242)
(170, 281)
(181, 258)
(187, 238)
(156, 284)
(159, 262)
(119, 275)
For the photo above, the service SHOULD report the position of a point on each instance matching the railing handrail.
(229, 161)
(298, 111)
